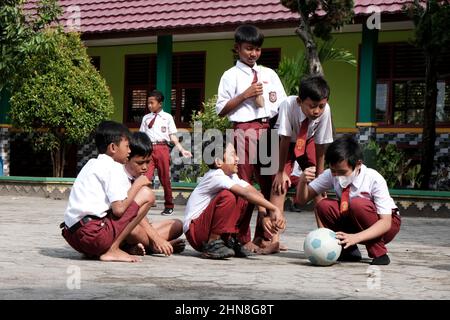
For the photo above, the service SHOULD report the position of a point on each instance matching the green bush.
(209, 117)
(390, 162)
(59, 97)
(210, 120)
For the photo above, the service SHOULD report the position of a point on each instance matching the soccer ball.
(321, 247)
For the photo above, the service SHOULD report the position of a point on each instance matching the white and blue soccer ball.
(321, 247)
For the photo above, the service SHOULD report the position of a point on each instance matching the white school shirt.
(163, 127)
(100, 182)
(291, 117)
(214, 181)
(296, 170)
(237, 79)
(368, 184)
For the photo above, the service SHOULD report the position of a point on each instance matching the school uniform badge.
(272, 96)
(163, 129)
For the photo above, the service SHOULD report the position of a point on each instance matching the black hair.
(157, 94)
(314, 87)
(344, 148)
(213, 149)
(108, 132)
(140, 145)
(250, 34)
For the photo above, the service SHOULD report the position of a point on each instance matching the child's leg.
(168, 230)
(245, 210)
(363, 214)
(171, 230)
(278, 200)
(139, 209)
(163, 166)
(150, 169)
(327, 211)
(219, 217)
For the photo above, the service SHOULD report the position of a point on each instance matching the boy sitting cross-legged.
(160, 236)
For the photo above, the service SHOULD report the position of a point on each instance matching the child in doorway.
(365, 212)
(161, 129)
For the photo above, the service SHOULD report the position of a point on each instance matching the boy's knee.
(226, 195)
(144, 196)
(361, 205)
(323, 206)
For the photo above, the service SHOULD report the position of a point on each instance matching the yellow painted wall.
(341, 77)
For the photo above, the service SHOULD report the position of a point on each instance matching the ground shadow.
(445, 267)
(62, 253)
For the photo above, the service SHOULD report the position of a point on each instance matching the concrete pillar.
(164, 70)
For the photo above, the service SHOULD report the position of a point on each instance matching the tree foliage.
(20, 34)
(58, 97)
(432, 22)
(291, 69)
(326, 15)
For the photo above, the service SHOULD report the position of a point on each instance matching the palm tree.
(292, 69)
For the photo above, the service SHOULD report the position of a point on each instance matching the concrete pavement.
(36, 263)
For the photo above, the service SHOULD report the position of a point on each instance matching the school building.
(183, 47)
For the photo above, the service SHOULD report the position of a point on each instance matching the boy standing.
(102, 210)
(216, 220)
(249, 95)
(365, 212)
(160, 236)
(239, 89)
(161, 129)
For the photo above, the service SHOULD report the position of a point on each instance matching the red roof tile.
(172, 16)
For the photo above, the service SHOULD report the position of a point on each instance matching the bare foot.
(270, 248)
(250, 246)
(283, 247)
(137, 250)
(178, 245)
(118, 255)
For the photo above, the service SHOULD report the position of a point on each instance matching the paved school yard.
(36, 263)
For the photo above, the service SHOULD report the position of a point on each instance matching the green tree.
(326, 15)
(293, 68)
(432, 25)
(20, 34)
(58, 97)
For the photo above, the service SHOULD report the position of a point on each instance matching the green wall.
(341, 77)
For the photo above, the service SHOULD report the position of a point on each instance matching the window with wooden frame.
(188, 86)
(140, 78)
(400, 91)
(270, 58)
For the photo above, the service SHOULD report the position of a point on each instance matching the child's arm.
(374, 231)
(320, 166)
(176, 142)
(119, 207)
(281, 178)
(304, 192)
(320, 158)
(255, 89)
(254, 196)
